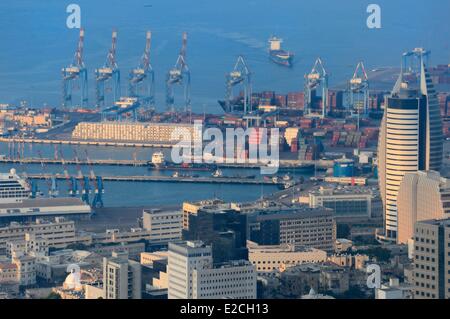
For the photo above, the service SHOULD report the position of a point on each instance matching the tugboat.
(278, 55)
(217, 173)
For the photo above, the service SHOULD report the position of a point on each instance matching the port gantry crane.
(318, 77)
(75, 71)
(412, 61)
(239, 75)
(358, 88)
(180, 75)
(142, 79)
(109, 71)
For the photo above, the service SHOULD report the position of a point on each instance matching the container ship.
(237, 105)
(278, 55)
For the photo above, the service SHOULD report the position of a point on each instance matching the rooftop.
(300, 211)
(45, 202)
(341, 190)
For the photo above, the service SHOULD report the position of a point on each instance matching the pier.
(106, 162)
(167, 179)
(284, 165)
(85, 142)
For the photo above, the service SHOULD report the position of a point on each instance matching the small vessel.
(158, 159)
(278, 55)
(217, 173)
(286, 177)
(286, 185)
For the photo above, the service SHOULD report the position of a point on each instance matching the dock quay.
(106, 162)
(167, 179)
(115, 162)
(85, 142)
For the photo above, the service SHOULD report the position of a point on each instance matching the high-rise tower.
(410, 140)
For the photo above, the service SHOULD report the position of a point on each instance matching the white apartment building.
(163, 226)
(394, 290)
(269, 258)
(26, 270)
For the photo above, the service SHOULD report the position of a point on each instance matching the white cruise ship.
(17, 204)
(13, 189)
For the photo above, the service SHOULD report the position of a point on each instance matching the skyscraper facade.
(410, 140)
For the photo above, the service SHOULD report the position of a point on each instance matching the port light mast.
(358, 92)
(75, 76)
(317, 78)
(179, 75)
(240, 75)
(109, 71)
(142, 79)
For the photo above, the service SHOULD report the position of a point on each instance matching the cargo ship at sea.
(278, 55)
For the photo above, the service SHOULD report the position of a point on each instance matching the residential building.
(357, 261)
(431, 272)
(121, 277)
(164, 226)
(394, 290)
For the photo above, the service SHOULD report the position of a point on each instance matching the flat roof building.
(192, 276)
(431, 272)
(269, 258)
(423, 195)
(121, 277)
(346, 202)
(299, 226)
(163, 225)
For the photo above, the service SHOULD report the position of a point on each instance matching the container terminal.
(329, 132)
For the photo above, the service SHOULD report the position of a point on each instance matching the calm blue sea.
(35, 42)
